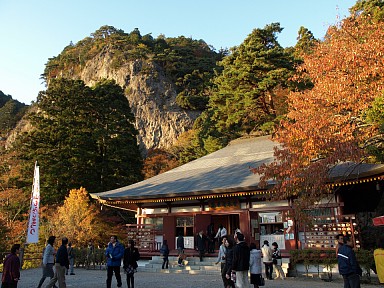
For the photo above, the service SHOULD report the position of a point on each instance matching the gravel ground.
(96, 278)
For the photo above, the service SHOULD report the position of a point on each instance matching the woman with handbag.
(255, 266)
(131, 256)
(277, 261)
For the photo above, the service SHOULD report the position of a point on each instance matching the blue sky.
(34, 31)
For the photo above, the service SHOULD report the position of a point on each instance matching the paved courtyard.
(96, 278)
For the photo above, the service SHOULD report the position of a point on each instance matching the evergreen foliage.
(82, 137)
(250, 91)
(188, 63)
(11, 111)
(374, 9)
(375, 116)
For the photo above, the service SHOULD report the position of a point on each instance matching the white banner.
(33, 223)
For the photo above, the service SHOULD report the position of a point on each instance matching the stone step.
(178, 270)
(192, 265)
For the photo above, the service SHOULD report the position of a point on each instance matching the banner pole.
(33, 220)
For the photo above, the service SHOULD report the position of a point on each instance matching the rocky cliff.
(151, 95)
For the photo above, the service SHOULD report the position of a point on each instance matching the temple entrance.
(230, 222)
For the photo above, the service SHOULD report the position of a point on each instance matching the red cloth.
(11, 269)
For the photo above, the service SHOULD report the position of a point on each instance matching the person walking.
(267, 259)
(255, 266)
(201, 240)
(61, 264)
(348, 266)
(164, 252)
(221, 260)
(71, 257)
(48, 261)
(180, 249)
(378, 255)
(229, 243)
(131, 256)
(277, 261)
(11, 268)
(114, 253)
(240, 262)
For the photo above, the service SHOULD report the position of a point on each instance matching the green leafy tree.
(246, 89)
(375, 116)
(81, 137)
(306, 41)
(11, 111)
(371, 8)
(118, 159)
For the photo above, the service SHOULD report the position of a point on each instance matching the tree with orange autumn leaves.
(14, 201)
(328, 124)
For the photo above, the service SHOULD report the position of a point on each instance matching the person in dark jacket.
(228, 242)
(11, 268)
(114, 253)
(131, 256)
(62, 263)
(211, 238)
(348, 266)
(164, 252)
(240, 264)
(201, 240)
(339, 239)
(180, 249)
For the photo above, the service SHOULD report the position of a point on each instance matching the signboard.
(378, 221)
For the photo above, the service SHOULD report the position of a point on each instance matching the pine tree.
(82, 137)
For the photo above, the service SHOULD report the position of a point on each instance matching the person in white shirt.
(267, 259)
(220, 234)
(48, 261)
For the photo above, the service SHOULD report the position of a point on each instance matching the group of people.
(349, 267)
(116, 252)
(237, 260)
(63, 261)
(235, 257)
(211, 238)
(164, 252)
(60, 259)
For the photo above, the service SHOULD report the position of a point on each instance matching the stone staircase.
(192, 265)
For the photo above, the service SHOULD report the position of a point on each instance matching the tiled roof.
(224, 171)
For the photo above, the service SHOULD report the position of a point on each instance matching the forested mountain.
(11, 112)
(167, 81)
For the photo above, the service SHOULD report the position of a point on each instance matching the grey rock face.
(151, 95)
